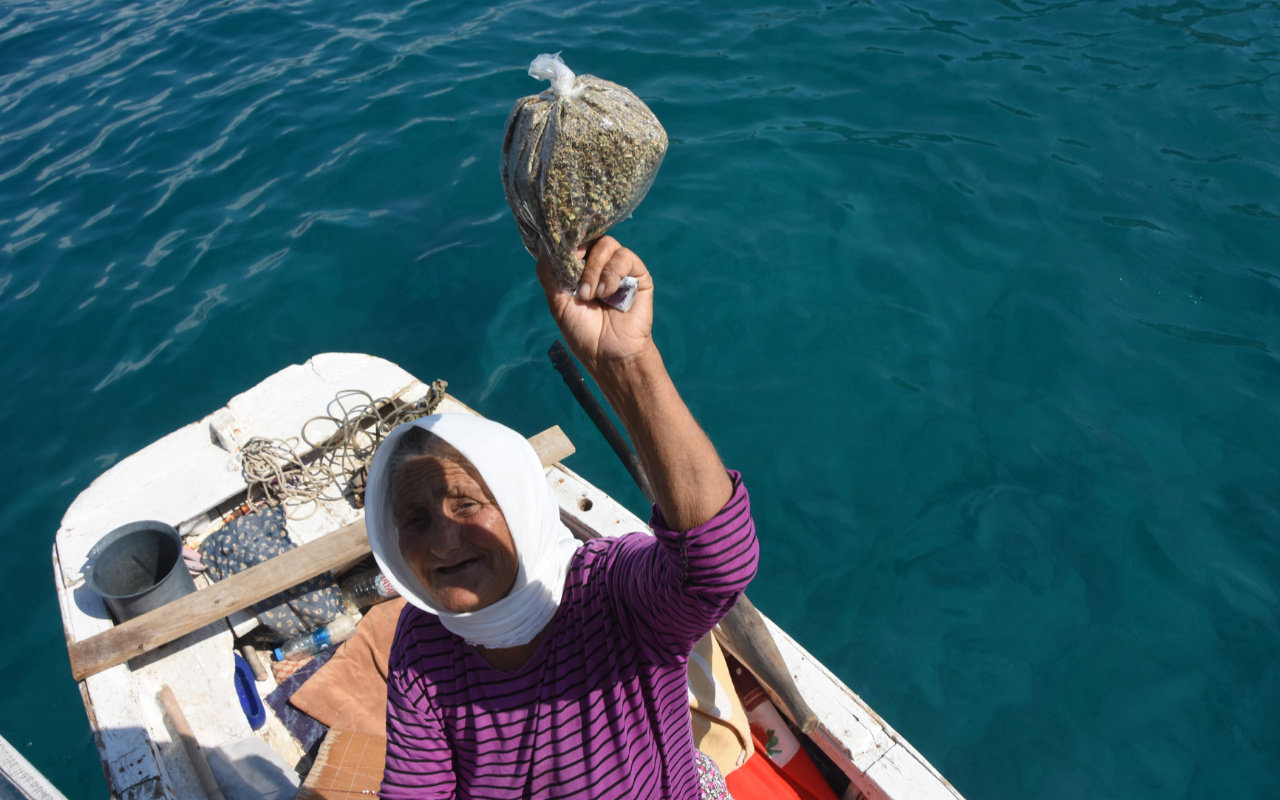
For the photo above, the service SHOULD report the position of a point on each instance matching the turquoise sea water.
(981, 297)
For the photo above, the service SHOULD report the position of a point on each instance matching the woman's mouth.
(461, 566)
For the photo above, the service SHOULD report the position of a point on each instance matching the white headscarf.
(515, 477)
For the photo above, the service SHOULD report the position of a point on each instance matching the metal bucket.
(138, 567)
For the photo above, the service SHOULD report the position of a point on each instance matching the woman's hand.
(617, 349)
(601, 336)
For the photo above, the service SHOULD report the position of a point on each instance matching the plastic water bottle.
(341, 629)
(368, 588)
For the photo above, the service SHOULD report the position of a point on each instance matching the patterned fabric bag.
(254, 538)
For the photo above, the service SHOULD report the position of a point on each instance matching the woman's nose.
(444, 538)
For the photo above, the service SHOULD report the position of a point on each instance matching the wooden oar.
(199, 761)
(742, 632)
(569, 371)
(237, 592)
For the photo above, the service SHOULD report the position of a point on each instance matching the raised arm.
(617, 349)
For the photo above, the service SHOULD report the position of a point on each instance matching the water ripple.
(31, 159)
(187, 170)
(161, 248)
(212, 298)
(34, 217)
(125, 367)
(320, 216)
(269, 263)
(39, 126)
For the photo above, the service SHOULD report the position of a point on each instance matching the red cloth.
(761, 779)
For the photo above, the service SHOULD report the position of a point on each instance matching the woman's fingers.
(608, 283)
(607, 263)
(595, 332)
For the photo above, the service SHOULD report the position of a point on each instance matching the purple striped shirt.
(601, 708)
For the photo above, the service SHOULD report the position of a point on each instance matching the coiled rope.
(279, 472)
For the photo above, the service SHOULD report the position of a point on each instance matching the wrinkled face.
(453, 535)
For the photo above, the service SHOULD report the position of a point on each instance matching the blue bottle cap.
(279, 655)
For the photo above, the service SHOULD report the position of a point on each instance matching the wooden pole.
(573, 379)
(192, 745)
(193, 611)
(250, 655)
(743, 633)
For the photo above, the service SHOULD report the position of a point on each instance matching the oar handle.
(573, 379)
(743, 629)
(199, 761)
(743, 633)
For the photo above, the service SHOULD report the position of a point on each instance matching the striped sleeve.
(676, 585)
(419, 759)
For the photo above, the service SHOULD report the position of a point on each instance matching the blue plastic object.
(247, 689)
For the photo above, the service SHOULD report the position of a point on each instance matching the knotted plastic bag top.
(576, 160)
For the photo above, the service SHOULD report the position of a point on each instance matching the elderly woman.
(529, 665)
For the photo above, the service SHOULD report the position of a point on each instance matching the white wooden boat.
(190, 478)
